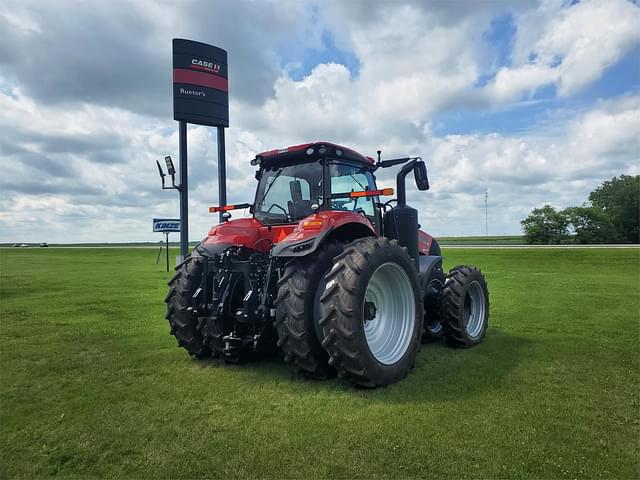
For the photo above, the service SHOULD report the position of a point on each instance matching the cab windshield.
(286, 193)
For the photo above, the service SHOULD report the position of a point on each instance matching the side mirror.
(420, 174)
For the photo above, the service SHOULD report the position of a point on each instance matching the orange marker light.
(372, 193)
(221, 209)
(224, 208)
(312, 224)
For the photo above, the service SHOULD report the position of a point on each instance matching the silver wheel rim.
(389, 332)
(474, 309)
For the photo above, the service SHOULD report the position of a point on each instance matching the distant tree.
(545, 226)
(590, 225)
(619, 199)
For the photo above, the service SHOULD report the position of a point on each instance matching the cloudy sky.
(538, 102)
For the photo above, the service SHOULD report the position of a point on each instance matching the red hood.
(253, 234)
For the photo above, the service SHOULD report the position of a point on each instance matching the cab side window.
(347, 178)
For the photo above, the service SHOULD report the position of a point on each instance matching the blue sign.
(166, 224)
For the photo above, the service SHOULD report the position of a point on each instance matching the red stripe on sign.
(181, 75)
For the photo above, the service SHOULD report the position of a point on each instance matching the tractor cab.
(299, 181)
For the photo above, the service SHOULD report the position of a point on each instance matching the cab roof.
(306, 150)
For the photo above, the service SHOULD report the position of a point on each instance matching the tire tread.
(341, 320)
(453, 303)
(296, 333)
(182, 321)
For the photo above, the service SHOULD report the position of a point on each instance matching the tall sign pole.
(222, 171)
(200, 96)
(184, 189)
(166, 238)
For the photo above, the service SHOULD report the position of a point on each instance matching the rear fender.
(325, 225)
(427, 264)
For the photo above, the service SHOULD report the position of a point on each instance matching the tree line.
(611, 215)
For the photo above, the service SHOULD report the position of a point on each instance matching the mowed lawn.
(92, 385)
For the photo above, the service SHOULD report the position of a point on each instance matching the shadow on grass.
(441, 373)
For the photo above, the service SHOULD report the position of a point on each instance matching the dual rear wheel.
(358, 309)
(372, 312)
(353, 309)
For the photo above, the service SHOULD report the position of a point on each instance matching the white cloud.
(412, 64)
(510, 83)
(567, 46)
(559, 165)
(86, 172)
(607, 135)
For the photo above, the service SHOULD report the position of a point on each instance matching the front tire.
(372, 312)
(465, 307)
(182, 319)
(298, 311)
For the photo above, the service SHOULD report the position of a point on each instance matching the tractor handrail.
(392, 162)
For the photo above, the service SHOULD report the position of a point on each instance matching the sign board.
(200, 85)
(166, 224)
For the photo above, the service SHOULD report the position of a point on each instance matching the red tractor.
(336, 278)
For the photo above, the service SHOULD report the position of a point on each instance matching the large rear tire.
(372, 312)
(465, 307)
(298, 311)
(182, 320)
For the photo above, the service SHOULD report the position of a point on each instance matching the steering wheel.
(361, 211)
(340, 204)
(286, 214)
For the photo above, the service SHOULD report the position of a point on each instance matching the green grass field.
(92, 385)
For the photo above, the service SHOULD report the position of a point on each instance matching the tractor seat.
(299, 208)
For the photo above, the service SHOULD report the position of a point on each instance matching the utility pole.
(486, 212)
